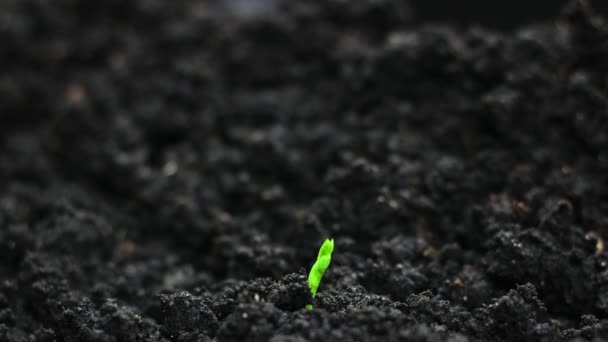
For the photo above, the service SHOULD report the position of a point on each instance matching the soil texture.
(169, 169)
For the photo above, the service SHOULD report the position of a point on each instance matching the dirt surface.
(168, 170)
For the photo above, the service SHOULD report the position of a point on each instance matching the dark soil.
(168, 170)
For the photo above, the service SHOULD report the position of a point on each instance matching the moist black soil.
(168, 170)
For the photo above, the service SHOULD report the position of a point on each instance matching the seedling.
(318, 269)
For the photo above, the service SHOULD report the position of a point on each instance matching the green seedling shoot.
(318, 269)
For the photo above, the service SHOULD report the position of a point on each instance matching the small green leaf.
(318, 269)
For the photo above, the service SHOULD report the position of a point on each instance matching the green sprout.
(317, 270)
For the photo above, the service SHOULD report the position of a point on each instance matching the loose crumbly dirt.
(168, 170)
